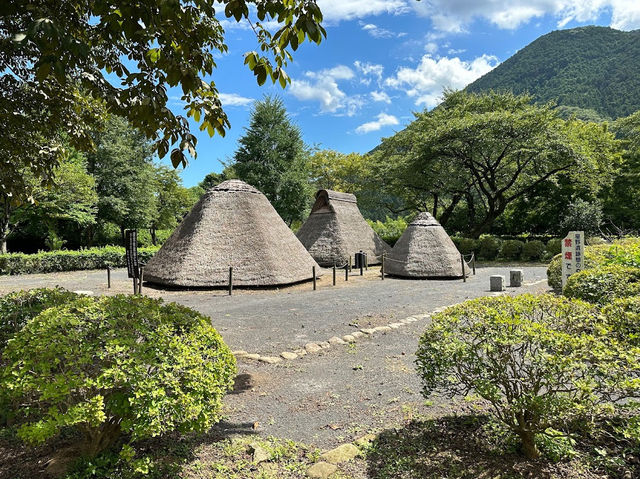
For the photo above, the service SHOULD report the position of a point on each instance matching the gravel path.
(328, 397)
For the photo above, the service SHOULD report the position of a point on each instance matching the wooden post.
(314, 277)
(473, 263)
(346, 272)
(464, 273)
(140, 277)
(334, 274)
(366, 262)
(361, 262)
(349, 262)
(109, 277)
(230, 280)
(382, 269)
(135, 286)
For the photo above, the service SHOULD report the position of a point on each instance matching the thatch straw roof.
(424, 251)
(336, 230)
(233, 224)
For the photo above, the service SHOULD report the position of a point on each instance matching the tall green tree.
(485, 151)
(272, 157)
(125, 176)
(173, 201)
(70, 199)
(63, 62)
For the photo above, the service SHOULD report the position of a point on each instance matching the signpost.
(572, 255)
(131, 248)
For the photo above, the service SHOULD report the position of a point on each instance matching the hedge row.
(489, 248)
(55, 261)
(625, 252)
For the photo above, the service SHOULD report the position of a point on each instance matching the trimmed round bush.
(16, 309)
(116, 365)
(554, 246)
(533, 250)
(465, 245)
(539, 361)
(623, 316)
(511, 249)
(488, 247)
(603, 285)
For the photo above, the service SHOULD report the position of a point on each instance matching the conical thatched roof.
(233, 224)
(336, 230)
(424, 251)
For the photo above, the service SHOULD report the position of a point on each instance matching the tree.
(485, 151)
(125, 176)
(273, 158)
(71, 198)
(173, 201)
(58, 58)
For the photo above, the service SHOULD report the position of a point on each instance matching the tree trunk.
(435, 205)
(529, 448)
(101, 438)
(122, 236)
(152, 232)
(4, 227)
(448, 211)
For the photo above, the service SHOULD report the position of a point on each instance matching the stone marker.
(321, 470)
(496, 282)
(515, 278)
(342, 453)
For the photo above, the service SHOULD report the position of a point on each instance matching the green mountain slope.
(591, 68)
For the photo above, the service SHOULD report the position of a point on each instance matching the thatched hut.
(233, 224)
(336, 230)
(424, 251)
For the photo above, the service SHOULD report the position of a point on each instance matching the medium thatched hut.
(424, 251)
(336, 230)
(233, 224)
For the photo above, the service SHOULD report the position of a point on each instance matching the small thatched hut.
(425, 251)
(233, 224)
(336, 230)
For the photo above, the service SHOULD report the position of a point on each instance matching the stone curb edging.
(316, 347)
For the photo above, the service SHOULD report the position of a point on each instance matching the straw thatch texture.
(233, 224)
(425, 251)
(336, 230)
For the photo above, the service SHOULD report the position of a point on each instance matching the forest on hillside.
(587, 69)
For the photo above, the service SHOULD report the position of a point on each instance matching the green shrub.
(18, 308)
(112, 365)
(465, 245)
(533, 250)
(623, 317)
(54, 261)
(539, 361)
(554, 246)
(391, 230)
(604, 284)
(488, 247)
(511, 249)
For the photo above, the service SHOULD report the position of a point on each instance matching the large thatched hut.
(233, 224)
(336, 230)
(424, 251)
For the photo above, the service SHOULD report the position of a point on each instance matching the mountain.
(582, 69)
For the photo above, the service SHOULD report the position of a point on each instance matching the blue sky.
(383, 60)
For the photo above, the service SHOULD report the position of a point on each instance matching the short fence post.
(140, 276)
(361, 263)
(230, 280)
(334, 274)
(473, 263)
(109, 277)
(314, 277)
(366, 261)
(382, 269)
(346, 272)
(464, 273)
(349, 262)
(135, 285)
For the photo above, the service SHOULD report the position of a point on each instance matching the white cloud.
(456, 15)
(233, 99)
(431, 47)
(383, 119)
(380, 96)
(322, 86)
(368, 70)
(426, 82)
(338, 10)
(378, 32)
